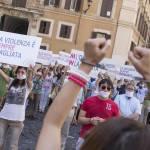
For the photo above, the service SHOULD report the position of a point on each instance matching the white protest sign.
(129, 71)
(64, 58)
(55, 58)
(44, 57)
(17, 49)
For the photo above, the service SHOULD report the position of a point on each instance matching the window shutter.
(78, 5)
(57, 2)
(67, 4)
(47, 27)
(46, 2)
(106, 8)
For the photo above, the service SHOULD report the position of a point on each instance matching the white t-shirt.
(14, 107)
(141, 93)
(128, 106)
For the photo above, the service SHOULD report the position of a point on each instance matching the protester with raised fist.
(95, 51)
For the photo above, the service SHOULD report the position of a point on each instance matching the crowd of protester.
(26, 91)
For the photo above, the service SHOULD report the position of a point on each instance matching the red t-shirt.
(95, 107)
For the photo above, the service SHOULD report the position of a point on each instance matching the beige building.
(67, 24)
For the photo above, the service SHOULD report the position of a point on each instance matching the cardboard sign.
(17, 49)
(44, 57)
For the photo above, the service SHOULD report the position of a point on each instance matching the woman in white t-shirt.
(13, 113)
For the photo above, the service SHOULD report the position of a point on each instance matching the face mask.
(129, 94)
(104, 94)
(21, 77)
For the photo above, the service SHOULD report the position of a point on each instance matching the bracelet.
(84, 61)
(82, 75)
(77, 81)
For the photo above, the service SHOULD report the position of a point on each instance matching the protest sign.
(75, 58)
(17, 49)
(129, 71)
(55, 58)
(64, 58)
(44, 57)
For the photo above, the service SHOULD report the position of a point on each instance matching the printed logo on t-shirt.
(108, 106)
(16, 96)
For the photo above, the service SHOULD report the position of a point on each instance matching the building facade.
(67, 24)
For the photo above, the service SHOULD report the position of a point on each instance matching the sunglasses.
(20, 72)
(105, 87)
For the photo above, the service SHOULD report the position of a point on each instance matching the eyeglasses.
(105, 87)
(20, 72)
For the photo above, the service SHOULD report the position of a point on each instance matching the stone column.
(124, 33)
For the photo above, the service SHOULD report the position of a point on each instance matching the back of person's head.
(118, 134)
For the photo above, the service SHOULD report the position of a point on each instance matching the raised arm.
(140, 58)
(4, 76)
(50, 135)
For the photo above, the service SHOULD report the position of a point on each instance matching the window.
(106, 8)
(73, 5)
(65, 31)
(101, 35)
(19, 3)
(44, 47)
(54, 3)
(148, 42)
(44, 27)
(132, 46)
(143, 26)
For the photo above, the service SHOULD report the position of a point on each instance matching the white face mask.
(129, 94)
(21, 77)
(104, 94)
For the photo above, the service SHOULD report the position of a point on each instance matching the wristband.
(77, 81)
(80, 74)
(84, 61)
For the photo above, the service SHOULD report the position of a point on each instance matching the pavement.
(32, 129)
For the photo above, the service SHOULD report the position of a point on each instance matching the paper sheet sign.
(44, 57)
(17, 49)
(64, 58)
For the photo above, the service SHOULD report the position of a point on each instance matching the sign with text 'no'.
(17, 49)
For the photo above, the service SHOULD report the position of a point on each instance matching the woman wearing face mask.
(97, 109)
(34, 98)
(13, 113)
(128, 104)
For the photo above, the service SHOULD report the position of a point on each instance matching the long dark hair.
(118, 134)
(16, 82)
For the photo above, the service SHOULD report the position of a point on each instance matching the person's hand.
(96, 49)
(96, 120)
(140, 58)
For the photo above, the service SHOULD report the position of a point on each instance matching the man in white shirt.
(128, 104)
